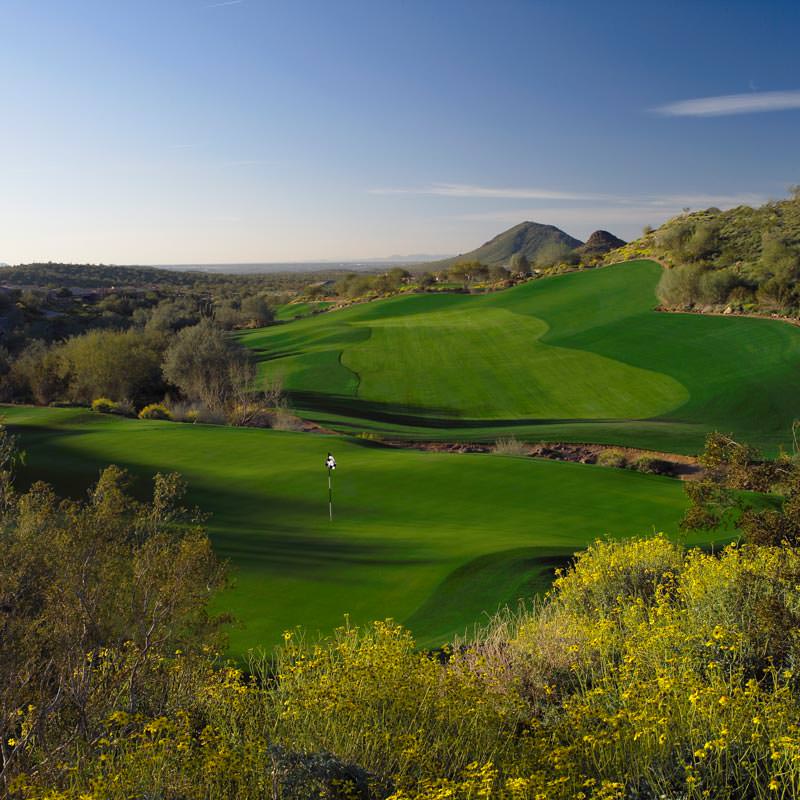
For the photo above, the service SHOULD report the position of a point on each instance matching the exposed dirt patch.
(678, 466)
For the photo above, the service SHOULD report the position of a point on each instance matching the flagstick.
(330, 496)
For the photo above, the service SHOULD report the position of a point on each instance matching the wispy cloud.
(704, 200)
(468, 190)
(753, 103)
(459, 190)
(591, 217)
(225, 3)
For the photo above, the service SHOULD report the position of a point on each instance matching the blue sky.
(195, 131)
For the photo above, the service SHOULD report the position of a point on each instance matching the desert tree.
(204, 363)
(95, 597)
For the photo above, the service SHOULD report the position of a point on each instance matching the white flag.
(330, 462)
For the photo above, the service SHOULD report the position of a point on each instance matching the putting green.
(578, 357)
(433, 540)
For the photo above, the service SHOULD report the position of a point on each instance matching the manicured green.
(577, 357)
(432, 540)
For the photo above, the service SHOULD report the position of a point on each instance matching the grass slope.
(433, 540)
(290, 311)
(578, 357)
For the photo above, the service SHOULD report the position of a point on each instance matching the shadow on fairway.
(291, 552)
(471, 591)
(428, 417)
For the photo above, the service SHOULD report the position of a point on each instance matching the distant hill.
(598, 244)
(538, 243)
(94, 276)
(55, 274)
(527, 238)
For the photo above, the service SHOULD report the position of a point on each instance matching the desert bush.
(510, 446)
(252, 415)
(284, 420)
(359, 698)
(115, 364)
(649, 671)
(36, 374)
(679, 287)
(206, 365)
(125, 408)
(715, 286)
(650, 465)
(611, 574)
(612, 458)
(95, 597)
(155, 411)
(194, 412)
(104, 406)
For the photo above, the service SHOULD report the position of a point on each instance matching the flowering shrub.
(155, 411)
(104, 406)
(649, 672)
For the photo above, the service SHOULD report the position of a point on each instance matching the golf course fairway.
(578, 357)
(432, 540)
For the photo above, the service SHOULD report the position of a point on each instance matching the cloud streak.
(472, 191)
(723, 105)
(225, 3)
(511, 193)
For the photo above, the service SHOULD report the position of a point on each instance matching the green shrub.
(102, 405)
(650, 465)
(612, 458)
(155, 411)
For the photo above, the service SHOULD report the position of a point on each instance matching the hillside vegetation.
(59, 275)
(577, 357)
(742, 260)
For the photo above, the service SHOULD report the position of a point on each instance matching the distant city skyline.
(203, 132)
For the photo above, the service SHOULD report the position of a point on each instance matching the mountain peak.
(527, 238)
(600, 243)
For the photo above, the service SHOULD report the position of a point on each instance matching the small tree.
(255, 312)
(201, 362)
(36, 374)
(95, 596)
(731, 468)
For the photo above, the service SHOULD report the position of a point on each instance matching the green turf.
(579, 357)
(290, 311)
(433, 540)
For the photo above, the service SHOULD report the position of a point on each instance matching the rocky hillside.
(598, 244)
